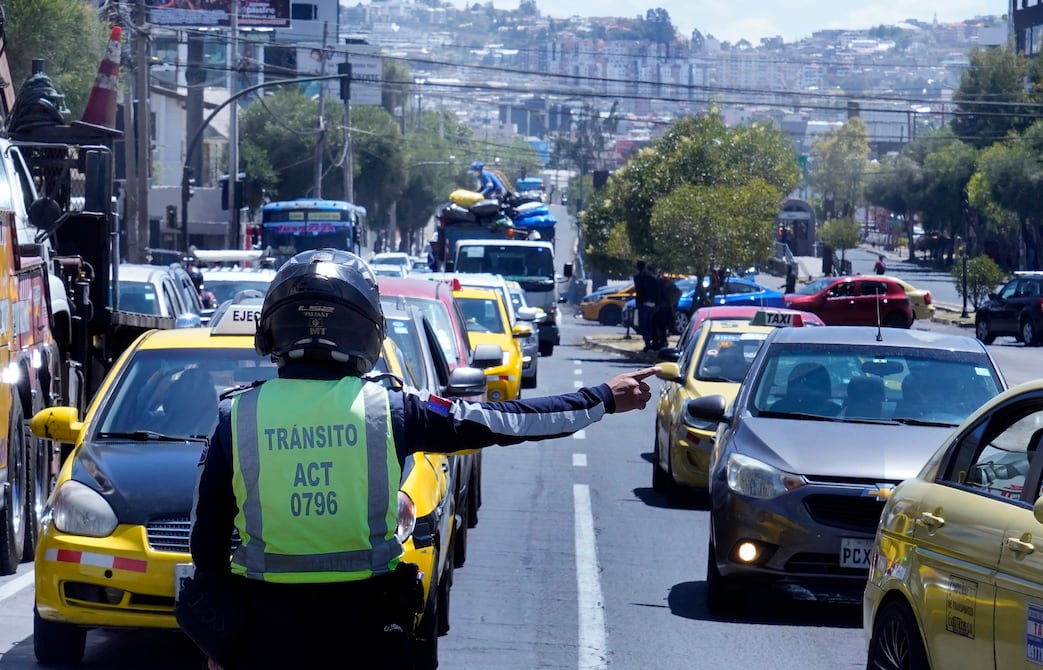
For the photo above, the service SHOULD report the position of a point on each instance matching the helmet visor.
(334, 328)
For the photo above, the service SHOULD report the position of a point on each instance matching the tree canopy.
(702, 185)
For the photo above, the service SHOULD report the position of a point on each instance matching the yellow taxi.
(919, 299)
(114, 543)
(956, 567)
(488, 323)
(712, 361)
(606, 305)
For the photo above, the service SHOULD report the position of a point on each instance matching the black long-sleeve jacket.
(420, 421)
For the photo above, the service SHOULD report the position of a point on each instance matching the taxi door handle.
(932, 521)
(1020, 546)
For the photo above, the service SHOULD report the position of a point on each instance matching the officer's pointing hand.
(630, 391)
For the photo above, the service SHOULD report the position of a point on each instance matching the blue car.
(735, 291)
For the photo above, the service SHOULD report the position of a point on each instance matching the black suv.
(1016, 310)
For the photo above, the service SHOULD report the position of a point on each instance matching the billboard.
(367, 73)
(217, 13)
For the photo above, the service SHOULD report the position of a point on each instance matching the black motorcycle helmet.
(322, 305)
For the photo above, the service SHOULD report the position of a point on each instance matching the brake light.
(927, 298)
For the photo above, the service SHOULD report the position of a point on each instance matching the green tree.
(946, 172)
(277, 136)
(994, 79)
(983, 275)
(697, 227)
(898, 186)
(67, 35)
(840, 161)
(840, 234)
(696, 151)
(380, 162)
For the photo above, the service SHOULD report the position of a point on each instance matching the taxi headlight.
(756, 479)
(80, 510)
(406, 517)
(506, 359)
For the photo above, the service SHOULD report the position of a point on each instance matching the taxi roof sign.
(237, 319)
(767, 317)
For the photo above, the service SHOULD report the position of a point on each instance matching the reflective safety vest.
(316, 479)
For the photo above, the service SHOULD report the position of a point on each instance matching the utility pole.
(233, 130)
(142, 118)
(130, 186)
(344, 69)
(320, 141)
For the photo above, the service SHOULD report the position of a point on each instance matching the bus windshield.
(293, 226)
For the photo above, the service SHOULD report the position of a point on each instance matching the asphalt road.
(575, 563)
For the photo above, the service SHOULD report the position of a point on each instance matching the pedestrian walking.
(880, 267)
(666, 302)
(323, 586)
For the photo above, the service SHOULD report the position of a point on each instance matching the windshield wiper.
(147, 435)
(795, 415)
(922, 422)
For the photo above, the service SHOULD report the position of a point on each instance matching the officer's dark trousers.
(339, 625)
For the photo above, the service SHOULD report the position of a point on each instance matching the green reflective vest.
(316, 478)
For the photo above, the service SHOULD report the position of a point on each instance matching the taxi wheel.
(610, 315)
(459, 543)
(13, 524)
(57, 643)
(720, 597)
(660, 481)
(425, 646)
(896, 642)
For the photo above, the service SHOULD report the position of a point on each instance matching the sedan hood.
(141, 480)
(821, 449)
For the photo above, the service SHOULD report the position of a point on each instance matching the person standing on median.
(646, 290)
(329, 590)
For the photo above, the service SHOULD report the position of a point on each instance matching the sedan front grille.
(172, 533)
(849, 512)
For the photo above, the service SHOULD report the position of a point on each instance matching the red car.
(855, 301)
(435, 299)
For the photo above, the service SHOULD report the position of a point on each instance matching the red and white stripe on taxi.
(96, 560)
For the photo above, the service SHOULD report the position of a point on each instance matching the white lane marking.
(577, 371)
(579, 460)
(580, 434)
(592, 647)
(15, 585)
(576, 383)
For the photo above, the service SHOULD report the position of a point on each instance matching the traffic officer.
(323, 586)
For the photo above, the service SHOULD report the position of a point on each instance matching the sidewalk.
(810, 267)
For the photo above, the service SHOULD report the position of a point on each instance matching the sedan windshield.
(871, 383)
(817, 286)
(174, 392)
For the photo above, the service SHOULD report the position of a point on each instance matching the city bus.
(291, 226)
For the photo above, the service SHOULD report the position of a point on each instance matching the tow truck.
(60, 323)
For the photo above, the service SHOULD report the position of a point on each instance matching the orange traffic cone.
(101, 105)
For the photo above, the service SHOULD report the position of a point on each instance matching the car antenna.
(879, 330)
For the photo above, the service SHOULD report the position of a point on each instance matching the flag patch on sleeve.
(439, 406)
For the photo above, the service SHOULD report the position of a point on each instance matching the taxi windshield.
(226, 289)
(873, 383)
(727, 356)
(483, 315)
(175, 391)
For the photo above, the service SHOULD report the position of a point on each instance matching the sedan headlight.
(80, 510)
(406, 517)
(756, 479)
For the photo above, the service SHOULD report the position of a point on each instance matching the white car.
(392, 258)
(226, 283)
(158, 290)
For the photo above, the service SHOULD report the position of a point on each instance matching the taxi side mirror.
(487, 356)
(706, 409)
(669, 371)
(464, 382)
(61, 424)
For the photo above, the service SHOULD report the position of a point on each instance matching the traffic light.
(344, 70)
(171, 218)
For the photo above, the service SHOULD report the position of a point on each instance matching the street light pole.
(186, 169)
